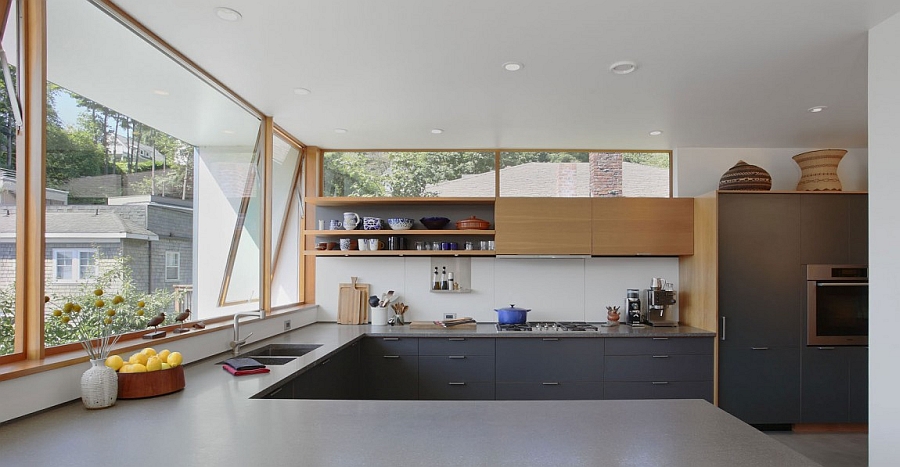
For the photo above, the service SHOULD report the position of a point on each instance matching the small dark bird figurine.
(180, 319)
(156, 321)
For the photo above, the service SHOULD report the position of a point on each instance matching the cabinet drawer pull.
(759, 348)
(660, 383)
(325, 362)
(660, 356)
(275, 392)
(826, 348)
(456, 357)
(391, 356)
(550, 384)
(456, 384)
(660, 338)
(723, 328)
(390, 338)
(456, 339)
(550, 339)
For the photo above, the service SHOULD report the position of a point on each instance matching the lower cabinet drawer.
(392, 377)
(563, 390)
(658, 390)
(457, 368)
(456, 390)
(658, 368)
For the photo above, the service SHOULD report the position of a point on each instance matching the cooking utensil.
(512, 315)
(352, 300)
(373, 300)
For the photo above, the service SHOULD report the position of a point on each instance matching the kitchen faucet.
(237, 342)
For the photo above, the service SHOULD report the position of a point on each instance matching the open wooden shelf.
(355, 201)
(368, 233)
(400, 253)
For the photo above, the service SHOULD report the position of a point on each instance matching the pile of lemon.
(144, 361)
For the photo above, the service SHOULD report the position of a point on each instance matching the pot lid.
(512, 308)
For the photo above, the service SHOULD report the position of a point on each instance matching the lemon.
(138, 368)
(164, 355)
(126, 368)
(174, 359)
(149, 351)
(115, 362)
(138, 358)
(165, 366)
(154, 364)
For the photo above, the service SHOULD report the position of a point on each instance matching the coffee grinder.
(633, 307)
(657, 300)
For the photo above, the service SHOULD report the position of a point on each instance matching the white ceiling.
(712, 73)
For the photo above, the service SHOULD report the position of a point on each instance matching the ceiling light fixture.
(512, 66)
(340, 130)
(656, 132)
(623, 67)
(228, 132)
(228, 14)
(160, 92)
(437, 131)
(302, 91)
(817, 109)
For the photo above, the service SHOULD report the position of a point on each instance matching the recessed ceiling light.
(656, 133)
(437, 131)
(160, 92)
(301, 91)
(228, 132)
(228, 14)
(340, 130)
(623, 68)
(817, 109)
(512, 66)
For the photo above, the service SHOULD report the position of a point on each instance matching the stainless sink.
(282, 350)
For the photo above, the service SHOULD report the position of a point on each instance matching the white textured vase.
(99, 385)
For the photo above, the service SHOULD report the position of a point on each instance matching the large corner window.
(585, 174)
(144, 157)
(287, 278)
(409, 174)
(8, 181)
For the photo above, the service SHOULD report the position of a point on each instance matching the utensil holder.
(379, 316)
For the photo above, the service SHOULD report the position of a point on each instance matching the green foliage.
(7, 319)
(654, 159)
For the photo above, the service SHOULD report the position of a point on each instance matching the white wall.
(698, 170)
(884, 254)
(559, 289)
(29, 394)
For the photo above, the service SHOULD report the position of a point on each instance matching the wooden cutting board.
(353, 302)
(432, 325)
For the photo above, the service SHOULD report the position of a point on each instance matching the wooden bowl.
(150, 384)
(473, 223)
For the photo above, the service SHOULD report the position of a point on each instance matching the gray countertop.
(213, 421)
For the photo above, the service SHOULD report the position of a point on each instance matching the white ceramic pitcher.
(351, 220)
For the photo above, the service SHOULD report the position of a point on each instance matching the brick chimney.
(605, 174)
(566, 180)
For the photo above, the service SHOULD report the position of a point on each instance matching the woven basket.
(744, 176)
(818, 170)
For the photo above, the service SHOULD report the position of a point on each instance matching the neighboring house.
(8, 191)
(154, 233)
(603, 176)
(118, 148)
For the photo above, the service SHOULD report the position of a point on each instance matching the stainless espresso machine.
(657, 300)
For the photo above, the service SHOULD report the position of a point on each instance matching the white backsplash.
(558, 289)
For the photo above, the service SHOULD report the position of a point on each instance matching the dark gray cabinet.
(658, 368)
(833, 229)
(761, 284)
(549, 368)
(835, 382)
(390, 368)
(456, 368)
(336, 377)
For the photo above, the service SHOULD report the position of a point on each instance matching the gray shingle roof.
(84, 225)
(540, 179)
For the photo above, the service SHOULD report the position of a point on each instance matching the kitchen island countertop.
(214, 421)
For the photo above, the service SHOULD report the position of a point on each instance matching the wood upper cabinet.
(543, 226)
(642, 226)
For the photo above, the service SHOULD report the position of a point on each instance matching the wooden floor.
(828, 449)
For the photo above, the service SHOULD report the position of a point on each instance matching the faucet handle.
(244, 340)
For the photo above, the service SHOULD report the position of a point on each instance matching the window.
(73, 265)
(173, 266)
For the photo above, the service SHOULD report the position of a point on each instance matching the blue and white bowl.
(371, 223)
(401, 223)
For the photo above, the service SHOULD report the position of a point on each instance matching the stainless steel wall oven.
(837, 304)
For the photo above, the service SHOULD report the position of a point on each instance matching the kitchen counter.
(214, 421)
(490, 330)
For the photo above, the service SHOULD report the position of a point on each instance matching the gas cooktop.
(548, 326)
